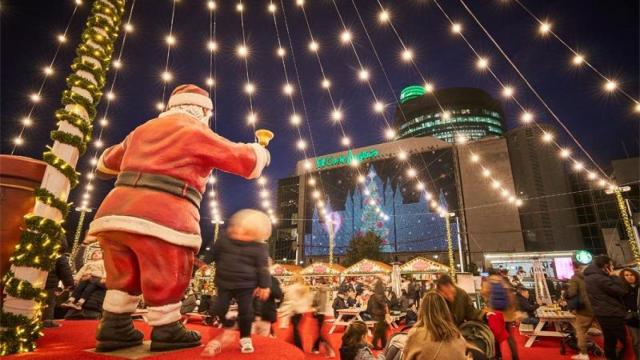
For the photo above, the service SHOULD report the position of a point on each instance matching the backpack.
(479, 335)
(396, 345)
(498, 296)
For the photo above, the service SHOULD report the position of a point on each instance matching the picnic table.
(340, 321)
(550, 315)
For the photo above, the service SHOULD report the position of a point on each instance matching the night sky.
(606, 31)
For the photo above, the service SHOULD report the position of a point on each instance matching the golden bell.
(264, 136)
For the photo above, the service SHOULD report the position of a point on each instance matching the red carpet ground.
(70, 341)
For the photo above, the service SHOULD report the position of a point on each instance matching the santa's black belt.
(162, 183)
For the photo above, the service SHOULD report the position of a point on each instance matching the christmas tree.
(373, 217)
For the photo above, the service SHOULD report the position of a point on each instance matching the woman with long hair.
(435, 335)
(631, 280)
(354, 343)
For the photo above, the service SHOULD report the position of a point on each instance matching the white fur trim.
(144, 227)
(174, 112)
(82, 92)
(22, 307)
(190, 99)
(35, 276)
(262, 160)
(87, 75)
(101, 167)
(163, 315)
(120, 302)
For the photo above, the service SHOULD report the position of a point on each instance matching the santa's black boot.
(116, 331)
(173, 336)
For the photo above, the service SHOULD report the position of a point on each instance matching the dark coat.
(268, 310)
(462, 308)
(526, 305)
(241, 264)
(339, 303)
(605, 292)
(631, 300)
(61, 272)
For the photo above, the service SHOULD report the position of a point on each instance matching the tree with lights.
(364, 246)
(373, 217)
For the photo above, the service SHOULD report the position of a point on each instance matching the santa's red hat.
(190, 94)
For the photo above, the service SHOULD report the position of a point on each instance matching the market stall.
(330, 272)
(284, 272)
(423, 269)
(366, 267)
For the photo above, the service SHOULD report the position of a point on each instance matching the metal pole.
(626, 220)
(331, 241)
(459, 244)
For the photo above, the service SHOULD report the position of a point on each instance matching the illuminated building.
(468, 112)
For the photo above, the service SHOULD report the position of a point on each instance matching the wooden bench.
(526, 328)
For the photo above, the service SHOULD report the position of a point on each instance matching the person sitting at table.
(527, 306)
(352, 300)
(339, 303)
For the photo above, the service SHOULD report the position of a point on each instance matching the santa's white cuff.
(101, 167)
(163, 315)
(120, 302)
(262, 159)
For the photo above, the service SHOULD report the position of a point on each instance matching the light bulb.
(402, 155)
(486, 172)
(420, 186)
(249, 88)
(26, 121)
(301, 144)
(336, 115)
(354, 162)
(456, 28)
(242, 51)
(160, 106)
(281, 52)
(62, 38)
(93, 161)
(212, 180)
(315, 194)
(547, 137)
(300, 2)
(577, 60)
(98, 143)
(411, 172)
(526, 117)
(35, 98)
(363, 74)
(507, 91)
(428, 87)
(326, 83)
(591, 175)
(389, 134)
(171, 40)
(90, 176)
(89, 187)
(167, 76)
(378, 107)
(475, 158)
(384, 16)
(495, 184)
(18, 140)
(314, 46)
(48, 70)
(312, 181)
(346, 37)
(78, 2)
(117, 64)
(307, 165)
(544, 28)
(111, 96)
(210, 81)
(565, 153)
(461, 139)
(518, 202)
(577, 166)
(295, 119)
(287, 89)
(271, 8)
(610, 85)
(345, 141)
(482, 63)
(361, 179)
(252, 118)
(128, 27)
(262, 180)
(446, 115)
(212, 46)
(211, 5)
(240, 7)
(637, 107)
(407, 55)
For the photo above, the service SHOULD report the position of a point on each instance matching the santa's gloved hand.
(268, 154)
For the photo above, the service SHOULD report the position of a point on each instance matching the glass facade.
(473, 114)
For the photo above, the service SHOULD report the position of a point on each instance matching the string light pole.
(452, 263)
(623, 208)
(37, 251)
(76, 239)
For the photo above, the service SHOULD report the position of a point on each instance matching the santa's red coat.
(177, 145)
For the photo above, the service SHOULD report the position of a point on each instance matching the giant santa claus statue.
(148, 225)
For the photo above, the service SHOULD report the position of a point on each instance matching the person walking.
(321, 300)
(631, 279)
(435, 335)
(378, 307)
(458, 301)
(605, 292)
(297, 301)
(266, 312)
(498, 294)
(579, 303)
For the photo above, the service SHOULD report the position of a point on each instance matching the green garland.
(67, 170)
(47, 197)
(40, 242)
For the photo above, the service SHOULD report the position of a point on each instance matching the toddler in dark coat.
(242, 272)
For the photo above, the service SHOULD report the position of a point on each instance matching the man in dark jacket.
(459, 302)
(61, 272)
(526, 305)
(242, 271)
(605, 292)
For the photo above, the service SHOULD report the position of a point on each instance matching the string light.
(301, 144)
(325, 83)
(160, 106)
(171, 40)
(48, 70)
(384, 16)
(547, 137)
(212, 45)
(211, 5)
(363, 74)
(346, 141)
(407, 55)
(240, 7)
(26, 121)
(242, 51)
(281, 52)
(295, 119)
(482, 63)
(402, 155)
(429, 87)
(456, 28)
(111, 96)
(166, 76)
(288, 89)
(526, 117)
(117, 64)
(35, 98)
(313, 46)
(610, 85)
(252, 118)
(544, 28)
(210, 81)
(578, 59)
(565, 153)
(128, 27)
(507, 91)
(390, 134)
(345, 37)
(271, 8)
(62, 38)
(336, 115)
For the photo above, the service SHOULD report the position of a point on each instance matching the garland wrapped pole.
(37, 250)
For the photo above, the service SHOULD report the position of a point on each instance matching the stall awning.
(368, 267)
(285, 270)
(422, 265)
(322, 269)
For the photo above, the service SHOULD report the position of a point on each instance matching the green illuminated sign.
(346, 159)
(411, 92)
(583, 257)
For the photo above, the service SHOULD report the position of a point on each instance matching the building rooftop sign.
(346, 159)
(411, 92)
